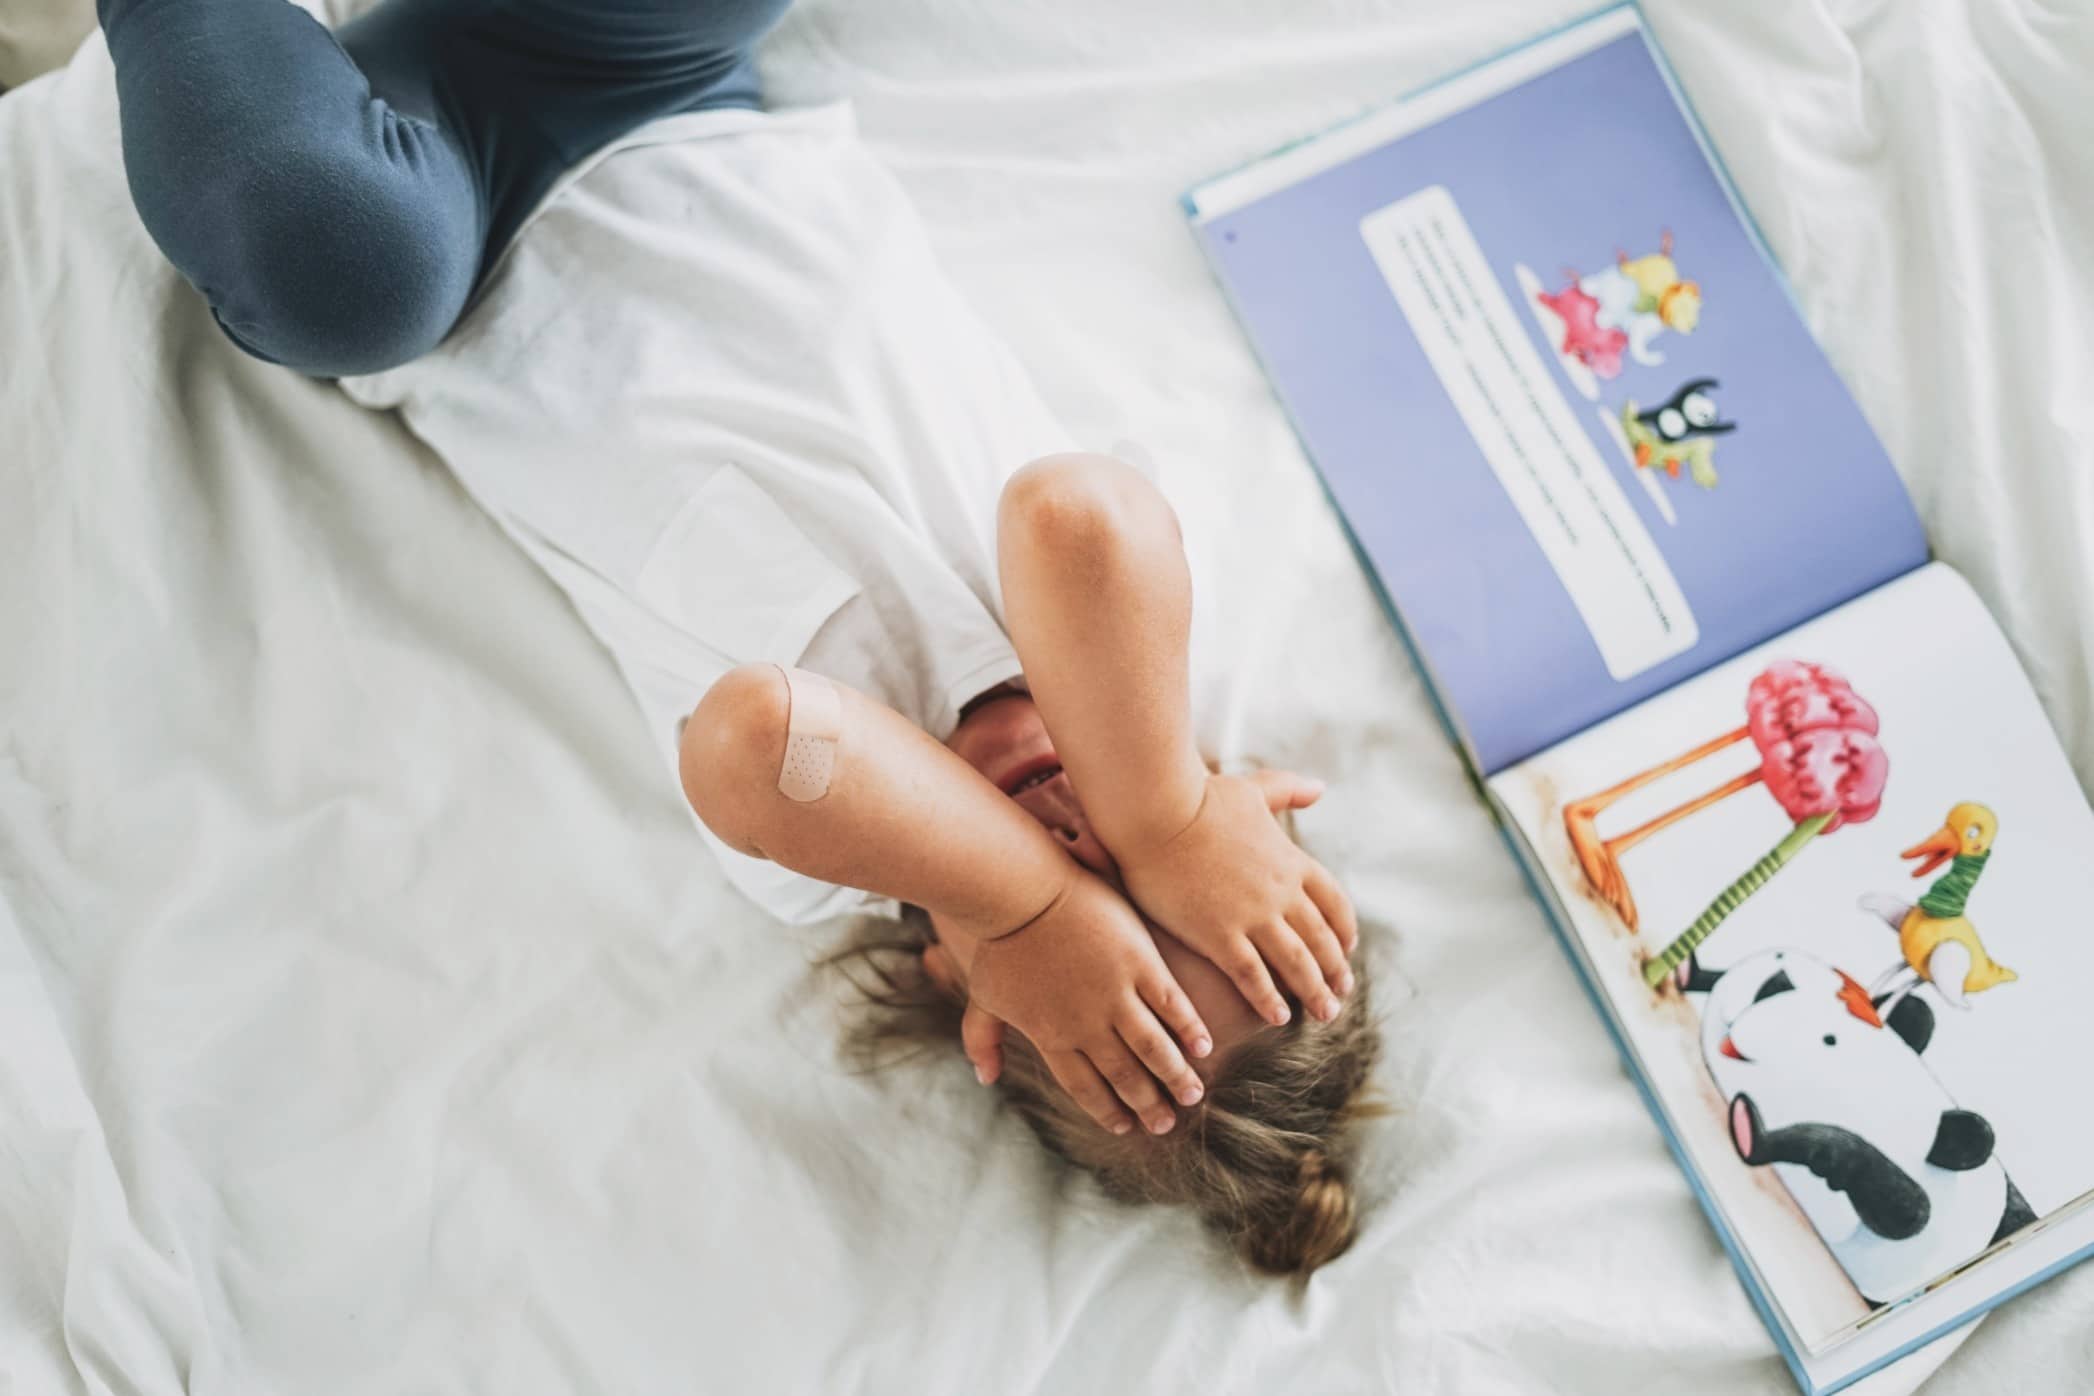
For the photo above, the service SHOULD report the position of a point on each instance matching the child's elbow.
(1078, 503)
(734, 737)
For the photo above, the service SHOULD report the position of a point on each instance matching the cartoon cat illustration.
(1678, 432)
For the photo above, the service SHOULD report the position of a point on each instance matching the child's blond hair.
(1265, 1159)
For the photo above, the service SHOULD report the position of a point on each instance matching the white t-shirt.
(721, 392)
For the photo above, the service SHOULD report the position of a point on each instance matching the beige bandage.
(814, 720)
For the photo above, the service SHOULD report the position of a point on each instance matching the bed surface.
(371, 1019)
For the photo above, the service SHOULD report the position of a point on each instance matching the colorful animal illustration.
(1830, 1089)
(1819, 759)
(1644, 296)
(1939, 943)
(1585, 339)
(1625, 306)
(1678, 432)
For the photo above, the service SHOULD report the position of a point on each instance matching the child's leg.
(529, 87)
(328, 231)
(337, 203)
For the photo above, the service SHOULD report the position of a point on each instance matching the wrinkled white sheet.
(38, 35)
(371, 1021)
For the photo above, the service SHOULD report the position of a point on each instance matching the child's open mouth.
(1037, 771)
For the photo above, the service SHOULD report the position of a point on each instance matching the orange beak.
(1937, 848)
(1857, 1001)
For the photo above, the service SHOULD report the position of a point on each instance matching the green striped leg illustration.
(1731, 898)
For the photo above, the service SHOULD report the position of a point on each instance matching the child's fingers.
(1284, 950)
(1322, 941)
(981, 1035)
(1284, 790)
(1247, 967)
(1148, 1041)
(1133, 1084)
(1075, 1074)
(1335, 905)
(1161, 993)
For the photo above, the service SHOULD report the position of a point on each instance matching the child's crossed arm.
(1099, 604)
(1062, 956)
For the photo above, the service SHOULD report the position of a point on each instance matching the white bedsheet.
(371, 1021)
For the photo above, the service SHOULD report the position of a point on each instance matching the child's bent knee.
(326, 260)
(340, 272)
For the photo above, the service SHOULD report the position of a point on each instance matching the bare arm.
(1099, 601)
(904, 817)
(1059, 955)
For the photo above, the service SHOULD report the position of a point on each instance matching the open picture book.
(1775, 774)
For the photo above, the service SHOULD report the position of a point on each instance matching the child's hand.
(1084, 981)
(1234, 887)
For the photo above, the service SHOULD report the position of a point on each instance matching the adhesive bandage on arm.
(814, 721)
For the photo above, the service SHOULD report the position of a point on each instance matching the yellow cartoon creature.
(1642, 297)
(1660, 289)
(1940, 944)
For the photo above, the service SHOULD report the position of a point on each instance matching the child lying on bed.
(1031, 893)
(722, 394)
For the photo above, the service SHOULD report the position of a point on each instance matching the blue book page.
(1576, 426)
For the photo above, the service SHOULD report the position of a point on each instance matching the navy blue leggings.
(338, 197)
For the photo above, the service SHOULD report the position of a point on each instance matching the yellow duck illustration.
(1940, 944)
(1661, 289)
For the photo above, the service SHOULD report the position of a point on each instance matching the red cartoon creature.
(1596, 346)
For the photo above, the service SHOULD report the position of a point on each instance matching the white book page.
(1903, 1096)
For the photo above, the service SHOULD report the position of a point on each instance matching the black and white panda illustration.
(1900, 1182)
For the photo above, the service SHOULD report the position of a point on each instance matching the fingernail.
(1278, 1016)
(1201, 1046)
(1191, 1094)
(1119, 1126)
(1163, 1124)
(1345, 981)
(1327, 1009)
(981, 1074)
